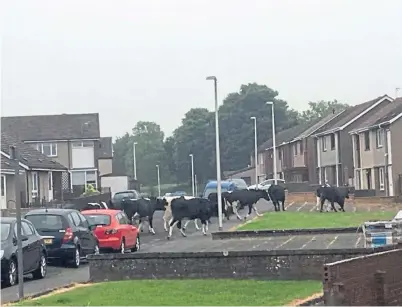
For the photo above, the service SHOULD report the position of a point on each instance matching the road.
(60, 276)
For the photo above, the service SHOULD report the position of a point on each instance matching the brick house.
(72, 140)
(39, 175)
(333, 142)
(377, 150)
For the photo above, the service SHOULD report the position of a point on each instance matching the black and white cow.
(190, 209)
(245, 198)
(318, 195)
(277, 194)
(213, 198)
(333, 195)
(142, 209)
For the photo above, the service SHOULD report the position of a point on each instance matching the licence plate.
(48, 241)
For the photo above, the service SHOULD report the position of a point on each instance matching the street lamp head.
(271, 103)
(190, 155)
(157, 165)
(253, 118)
(135, 143)
(211, 78)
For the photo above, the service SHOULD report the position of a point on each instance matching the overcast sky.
(147, 60)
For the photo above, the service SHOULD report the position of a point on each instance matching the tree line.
(196, 134)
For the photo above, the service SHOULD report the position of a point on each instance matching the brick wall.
(273, 265)
(370, 280)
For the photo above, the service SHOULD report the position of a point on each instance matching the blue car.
(211, 187)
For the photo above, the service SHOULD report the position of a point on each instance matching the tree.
(321, 109)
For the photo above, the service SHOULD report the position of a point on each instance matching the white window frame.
(379, 137)
(295, 148)
(35, 184)
(53, 153)
(85, 177)
(381, 178)
(324, 143)
(50, 181)
(261, 158)
(3, 185)
(82, 144)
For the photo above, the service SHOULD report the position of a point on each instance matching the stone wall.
(370, 280)
(271, 265)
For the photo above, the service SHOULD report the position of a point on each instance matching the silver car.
(266, 184)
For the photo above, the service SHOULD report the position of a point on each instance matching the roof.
(349, 114)
(231, 173)
(7, 164)
(387, 113)
(106, 148)
(53, 127)
(284, 136)
(55, 211)
(28, 155)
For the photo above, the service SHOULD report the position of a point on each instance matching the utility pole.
(20, 264)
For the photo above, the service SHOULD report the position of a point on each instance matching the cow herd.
(180, 211)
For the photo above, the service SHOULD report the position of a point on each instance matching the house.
(70, 139)
(247, 174)
(377, 150)
(105, 156)
(301, 153)
(334, 144)
(39, 175)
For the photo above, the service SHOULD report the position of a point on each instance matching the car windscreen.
(5, 231)
(121, 195)
(46, 222)
(98, 219)
(212, 190)
(240, 183)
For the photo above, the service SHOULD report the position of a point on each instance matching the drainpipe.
(337, 158)
(318, 147)
(386, 183)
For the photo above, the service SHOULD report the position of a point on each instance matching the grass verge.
(210, 292)
(295, 220)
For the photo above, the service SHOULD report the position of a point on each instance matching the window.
(84, 221)
(261, 159)
(367, 140)
(3, 185)
(380, 137)
(280, 152)
(46, 221)
(333, 141)
(358, 180)
(381, 177)
(26, 230)
(81, 144)
(324, 143)
(123, 219)
(83, 178)
(98, 219)
(76, 218)
(295, 148)
(35, 184)
(48, 149)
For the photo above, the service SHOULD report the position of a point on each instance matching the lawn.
(218, 292)
(293, 220)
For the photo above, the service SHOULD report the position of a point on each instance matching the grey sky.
(147, 60)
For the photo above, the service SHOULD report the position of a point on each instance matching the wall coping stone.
(221, 235)
(273, 253)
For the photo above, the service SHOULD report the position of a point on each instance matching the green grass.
(218, 292)
(294, 220)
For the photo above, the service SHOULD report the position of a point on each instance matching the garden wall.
(271, 265)
(369, 280)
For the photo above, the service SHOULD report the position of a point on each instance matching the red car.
(114, 231)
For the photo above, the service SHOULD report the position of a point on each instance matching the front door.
(50, 179)
(3, 200)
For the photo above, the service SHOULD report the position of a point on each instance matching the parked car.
(266, 184)
(211, 187)
(114, 230)
(178, 193)
(66, 233)
(33, 251)
(241, 184)
(118, 196)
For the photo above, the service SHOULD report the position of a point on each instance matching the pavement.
(195, 241)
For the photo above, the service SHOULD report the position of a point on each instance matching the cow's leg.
(255, 210)
(204, 227)
(185, 224)
(196, 225)
(333, 206)
(235, 210)
(227, 209)
(140, 226)
(322, 203)
(151, 226)
(318, 202)
(250, 206)
(172, 223)
(182, 229)
(283, 205)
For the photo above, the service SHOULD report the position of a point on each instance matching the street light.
(192, 173)
(255, 150)
(273, 138)
(159, 180)
(218, 154)
(135, 162)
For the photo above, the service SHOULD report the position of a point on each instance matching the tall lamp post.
(218, 154)
(255, 150)
(134, 161)
(192, 173)
(273, 138)
(159, 180)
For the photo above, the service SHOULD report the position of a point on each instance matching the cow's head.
(263, 194)
(160, 204)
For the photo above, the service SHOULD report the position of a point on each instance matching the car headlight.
(1, 254)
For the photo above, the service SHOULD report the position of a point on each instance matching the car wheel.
(137, 245)
(11, 278)
(122, 246)
(41, 271)
(77, 257)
